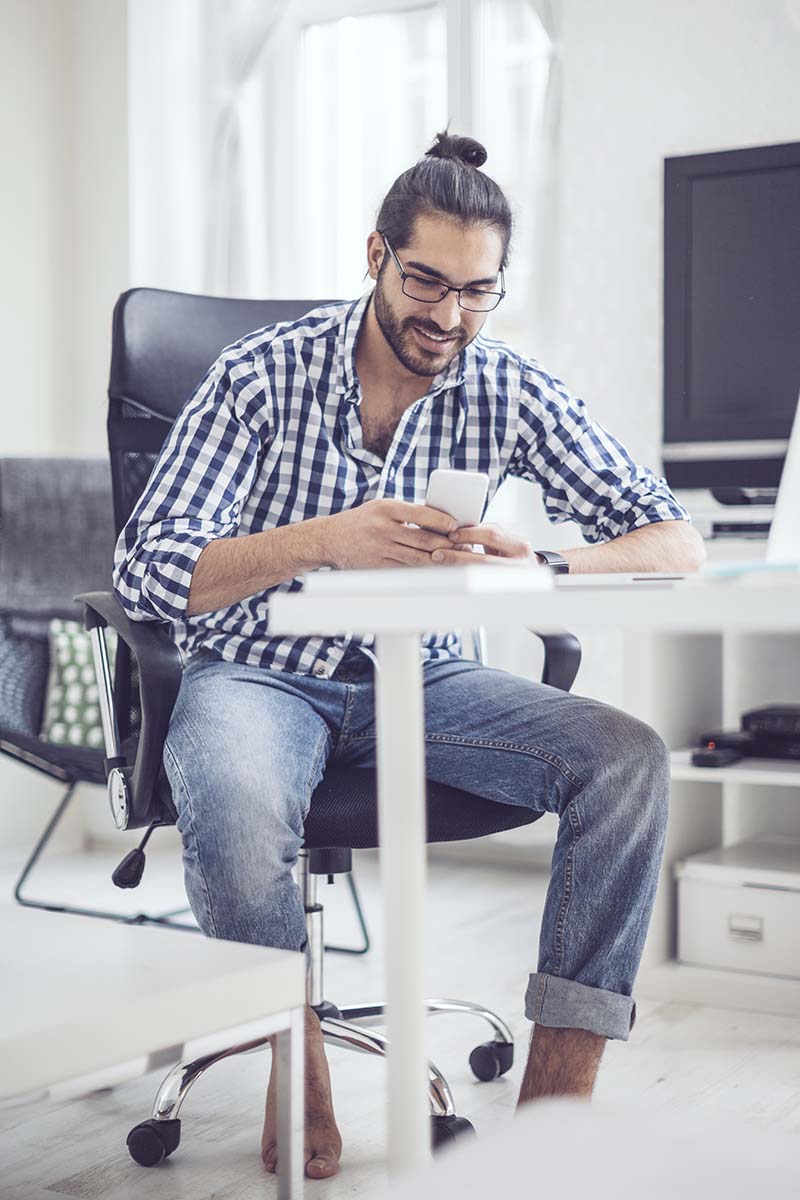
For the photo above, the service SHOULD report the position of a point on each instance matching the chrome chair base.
(342, 1032)
(156, 1138)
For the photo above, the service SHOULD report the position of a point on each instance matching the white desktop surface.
(419, 600)
(106, 992)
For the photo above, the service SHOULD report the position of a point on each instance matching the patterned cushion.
(72, 712)
(23, 674)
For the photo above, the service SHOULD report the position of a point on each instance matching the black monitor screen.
(732, 295)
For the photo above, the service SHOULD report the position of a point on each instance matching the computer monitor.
(731, 315)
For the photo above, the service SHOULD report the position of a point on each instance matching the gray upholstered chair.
(56, 534)
(57, 538)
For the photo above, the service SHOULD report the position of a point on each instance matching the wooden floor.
(482, 944)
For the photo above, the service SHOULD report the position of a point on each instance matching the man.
(309, 444)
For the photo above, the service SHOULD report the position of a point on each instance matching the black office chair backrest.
(162, 345)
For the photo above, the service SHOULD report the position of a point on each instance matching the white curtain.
(545, 184)
(195, 198)
(210, 202)
(240, 32)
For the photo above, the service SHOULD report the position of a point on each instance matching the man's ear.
(375, 253)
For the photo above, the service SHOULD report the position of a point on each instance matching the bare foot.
(323, 1143)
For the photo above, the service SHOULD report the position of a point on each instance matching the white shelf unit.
(685, 684)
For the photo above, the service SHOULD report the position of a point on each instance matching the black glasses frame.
(446, 287)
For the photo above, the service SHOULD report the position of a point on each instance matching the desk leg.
(401, 815)
(289, 1052)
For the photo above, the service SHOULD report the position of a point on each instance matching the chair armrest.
(160, 668)
(562, 657)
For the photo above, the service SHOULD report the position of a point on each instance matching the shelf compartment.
(770, 771)
(676, 981)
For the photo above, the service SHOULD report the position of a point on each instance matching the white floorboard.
(482, 944)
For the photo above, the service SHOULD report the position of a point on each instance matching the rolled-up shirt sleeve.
(584, 473)
(195, 493)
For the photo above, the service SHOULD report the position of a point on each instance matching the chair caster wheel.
(153, 1141)
(492, 1059)
(445, 1130)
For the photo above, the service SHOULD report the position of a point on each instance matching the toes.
(318, 1167)
(321, 1168)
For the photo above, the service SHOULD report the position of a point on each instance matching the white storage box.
(739, 907)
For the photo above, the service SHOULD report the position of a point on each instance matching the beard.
(401, 338)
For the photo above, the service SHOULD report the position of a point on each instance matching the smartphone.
(460, 494)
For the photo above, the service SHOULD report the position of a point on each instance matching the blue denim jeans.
(248, 745)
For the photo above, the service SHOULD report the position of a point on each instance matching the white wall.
(643, 79)
(63, 216)
(64, 238)
(33, 127)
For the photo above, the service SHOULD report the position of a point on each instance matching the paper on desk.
(758, 572)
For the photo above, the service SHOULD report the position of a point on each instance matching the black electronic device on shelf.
(771, 731)
(731, 314)
(714, 756)
(773, 721)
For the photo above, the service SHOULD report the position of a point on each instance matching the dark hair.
(446, 182)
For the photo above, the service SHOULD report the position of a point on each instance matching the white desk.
(397, 606)
(102, 998)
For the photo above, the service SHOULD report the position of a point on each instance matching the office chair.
(162, 345)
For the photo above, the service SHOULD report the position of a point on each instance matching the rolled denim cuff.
(565, 1004)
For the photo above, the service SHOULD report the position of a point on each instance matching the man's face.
(443, 250)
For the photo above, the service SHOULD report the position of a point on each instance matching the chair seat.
(344, 812)
(67, 763)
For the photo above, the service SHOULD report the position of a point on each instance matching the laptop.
(783, 545)
(783, 542)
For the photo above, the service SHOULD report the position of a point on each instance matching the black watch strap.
(556, 562)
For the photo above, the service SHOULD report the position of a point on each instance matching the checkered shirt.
(272, 436)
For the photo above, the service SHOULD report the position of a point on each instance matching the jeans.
(248, 745)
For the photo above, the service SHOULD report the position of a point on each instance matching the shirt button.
(322, 671)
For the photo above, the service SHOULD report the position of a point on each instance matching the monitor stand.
(745, 495)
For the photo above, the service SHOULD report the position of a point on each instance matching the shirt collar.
(452, 376)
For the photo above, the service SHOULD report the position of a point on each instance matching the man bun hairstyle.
(464, 148)
(446, 182)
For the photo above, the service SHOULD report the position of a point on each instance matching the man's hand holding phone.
(463, 494)
(385, 533)
(444, 530)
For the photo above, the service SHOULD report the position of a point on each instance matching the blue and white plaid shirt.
(272, 436)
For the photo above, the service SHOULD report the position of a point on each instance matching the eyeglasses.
(431, 291)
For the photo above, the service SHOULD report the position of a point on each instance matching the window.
(288, 122)
(510, 70)
(372, 91)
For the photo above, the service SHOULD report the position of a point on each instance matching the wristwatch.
(556, 562)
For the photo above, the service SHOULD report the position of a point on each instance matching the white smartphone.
(460, 494)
